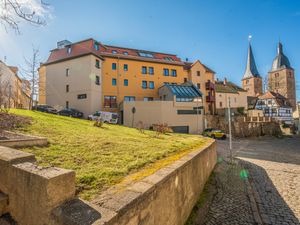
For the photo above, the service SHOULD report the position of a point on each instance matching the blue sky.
(213, 31)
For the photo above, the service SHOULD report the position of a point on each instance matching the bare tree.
(14, 11)
(265, 84)
(31, 74)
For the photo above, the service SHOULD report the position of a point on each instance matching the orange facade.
(137, 80)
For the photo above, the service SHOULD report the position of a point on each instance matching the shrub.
(98, 123)
(241, 110)
(162, 128)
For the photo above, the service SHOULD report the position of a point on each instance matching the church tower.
(281, 77)
(252, 81)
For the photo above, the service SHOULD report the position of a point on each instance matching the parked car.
(45, 108)
(214, 133)
(94, 116)
(106, 117)
(70, 112)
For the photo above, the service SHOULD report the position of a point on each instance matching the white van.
(106, 117)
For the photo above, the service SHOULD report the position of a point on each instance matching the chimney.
(225, 81)
(186, 59)
(62, 44)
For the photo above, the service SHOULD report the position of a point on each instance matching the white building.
(276, 106)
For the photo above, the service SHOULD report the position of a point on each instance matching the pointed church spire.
(251, 69)
(279, 48)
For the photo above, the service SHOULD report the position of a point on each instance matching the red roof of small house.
(271, 94)
(280, 99)
(87, 47)
(189, 65)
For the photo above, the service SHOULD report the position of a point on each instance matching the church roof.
(251, 69)
(280, 61)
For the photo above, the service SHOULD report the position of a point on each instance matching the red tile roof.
(280, 99)
(77, 49)
(86, 47)
(271, 94)
(189, 65)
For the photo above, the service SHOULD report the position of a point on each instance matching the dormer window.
(114, 51)
(146, 54)
(168, 58)
(69, 49)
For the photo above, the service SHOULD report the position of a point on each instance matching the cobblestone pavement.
(230, 205)
(271, 192)
(274, 174)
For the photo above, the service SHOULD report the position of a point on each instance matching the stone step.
(3, 203)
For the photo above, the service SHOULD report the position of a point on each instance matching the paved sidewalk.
(231, 204)
(270, 195)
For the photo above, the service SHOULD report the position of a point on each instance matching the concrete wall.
(156, 112)
(163, 198)
(32, 191)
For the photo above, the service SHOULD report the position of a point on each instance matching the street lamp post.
(229, 127)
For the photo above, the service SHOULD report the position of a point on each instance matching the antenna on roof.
(4, 60)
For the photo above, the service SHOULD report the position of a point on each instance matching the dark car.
(45, 108)
(70, 112)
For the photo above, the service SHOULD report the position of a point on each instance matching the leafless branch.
(30, 72)
(14, 11)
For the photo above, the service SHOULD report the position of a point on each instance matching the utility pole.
(229, 126)
(197, 116)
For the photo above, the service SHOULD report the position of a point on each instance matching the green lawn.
(103, 156)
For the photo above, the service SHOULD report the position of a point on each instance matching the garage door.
(181, 129)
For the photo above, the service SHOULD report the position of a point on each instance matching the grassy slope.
(101, 157)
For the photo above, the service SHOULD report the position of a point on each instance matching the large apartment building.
(14, 91)
(91, 76)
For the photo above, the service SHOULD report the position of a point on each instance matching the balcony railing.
(209, 85)
(210, 98)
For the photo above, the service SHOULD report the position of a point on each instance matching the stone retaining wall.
(25, 141)
(46, 196)
(244, 128)
(163, 198)
(32, 191)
